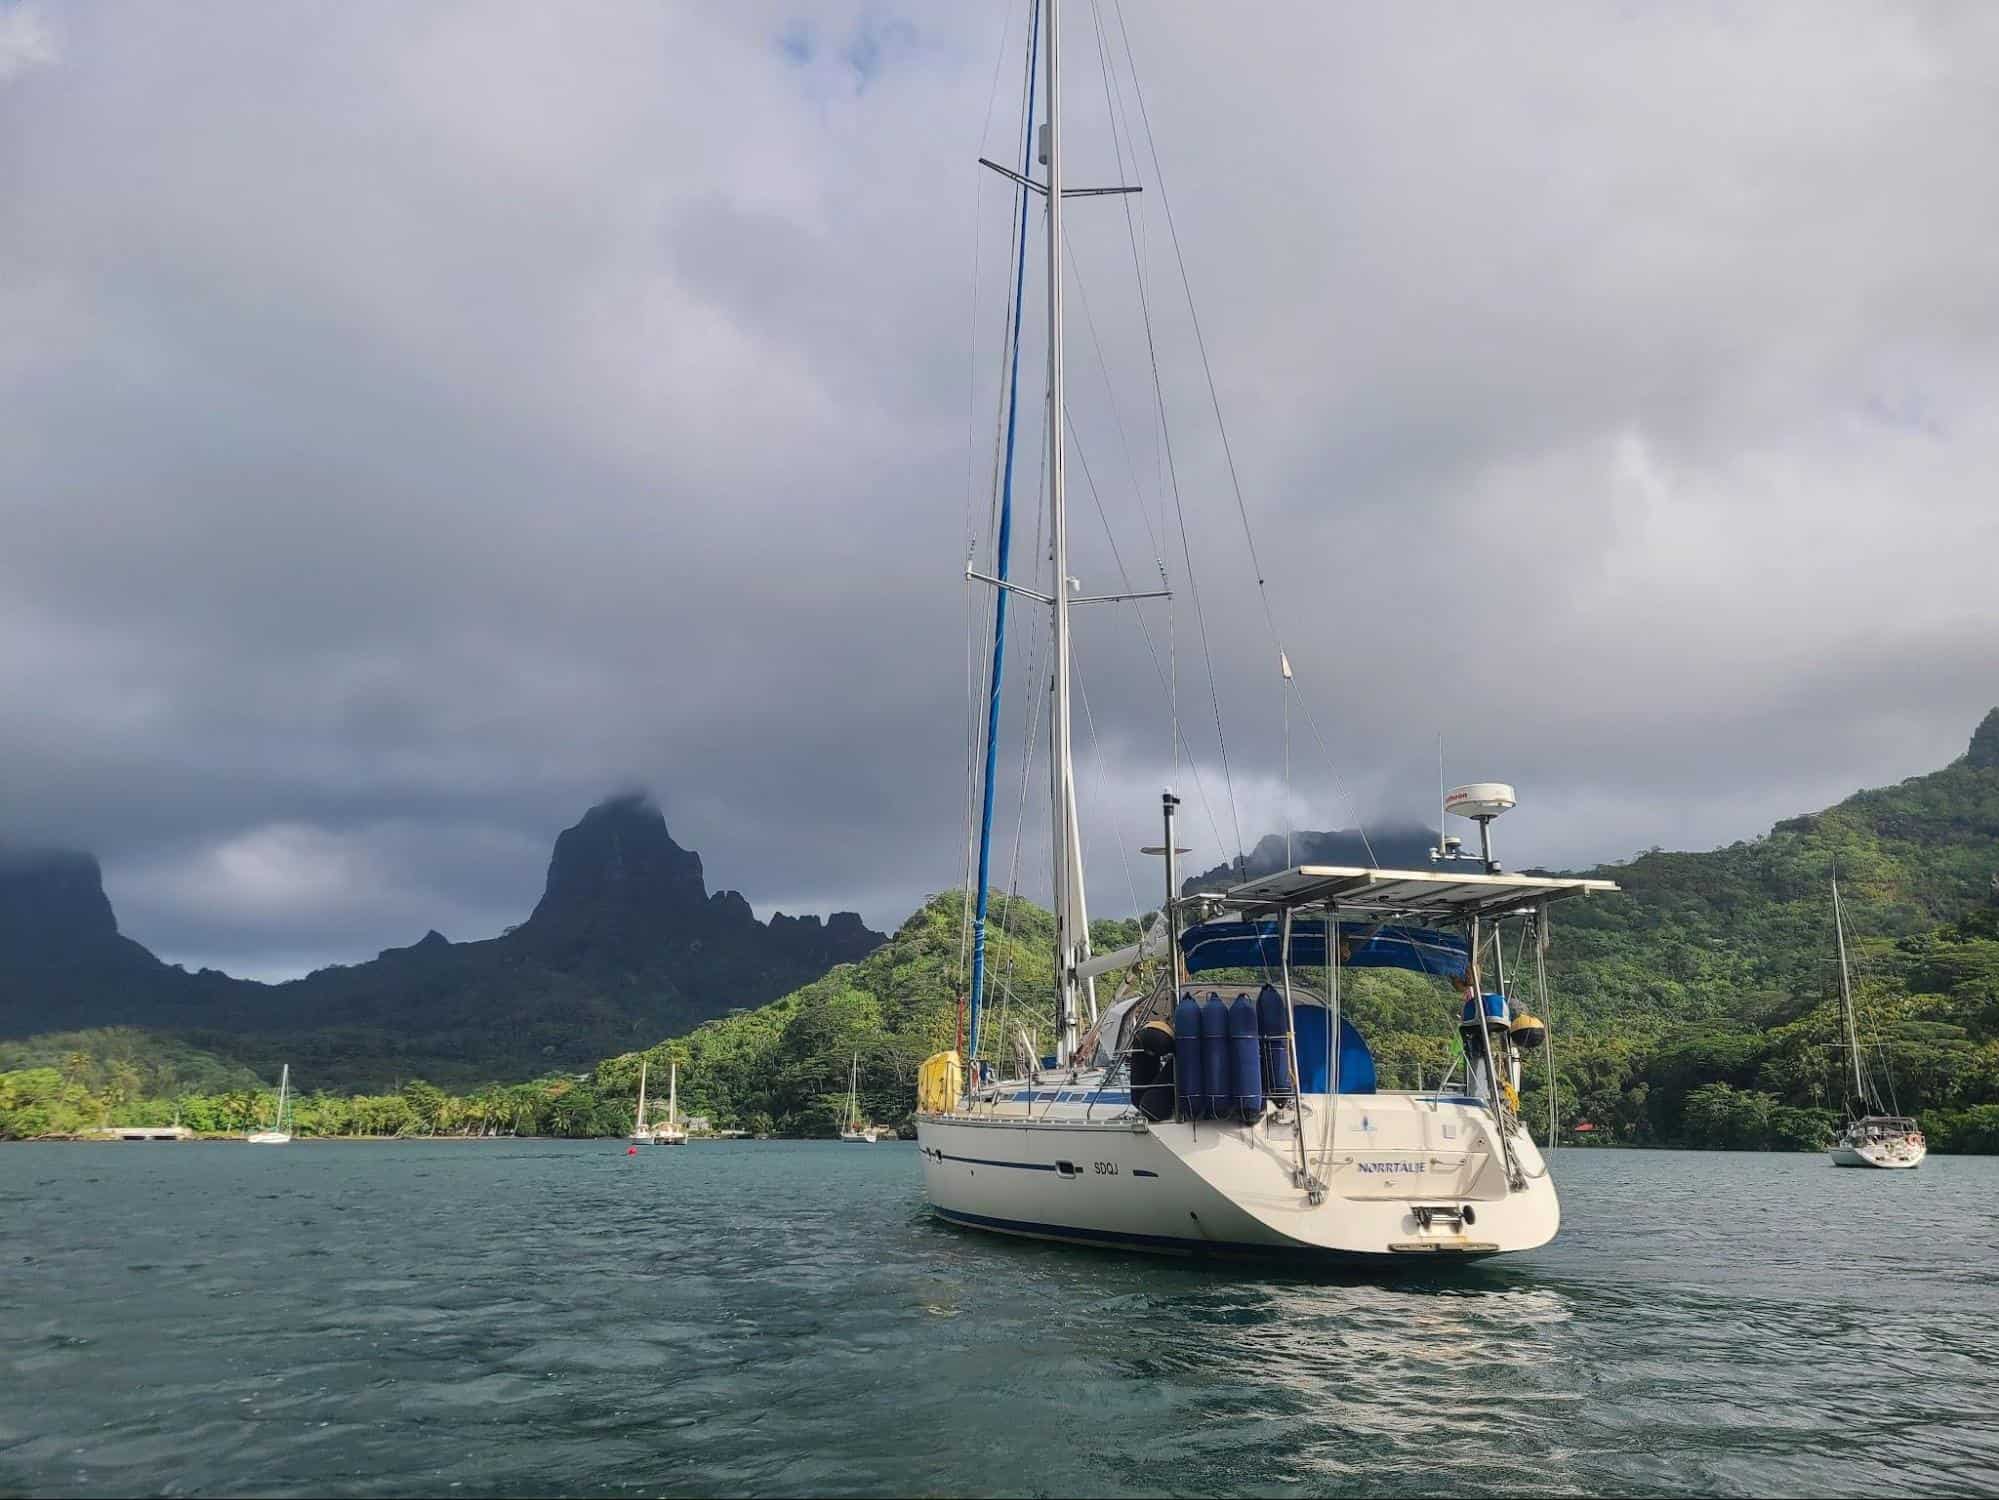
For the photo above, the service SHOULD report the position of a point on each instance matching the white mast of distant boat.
(277, 1135)
(639, 1131)
(1860, 1091)
(671, 1134)
(1871, 1138)
(851, 1129)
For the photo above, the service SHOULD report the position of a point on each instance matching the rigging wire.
(1124, 579)
(1103, 775)
(1172, 470)
(1221, 427)
(1152, 539)
(1117, 413)
(1548, 1006)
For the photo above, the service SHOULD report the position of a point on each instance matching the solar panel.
(1432, 894)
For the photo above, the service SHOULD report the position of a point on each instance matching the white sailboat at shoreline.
(1180, 1121)
(277, 1135)
(639, 1131)
(671, 1133)
(1873, 1136)
(853, 1129)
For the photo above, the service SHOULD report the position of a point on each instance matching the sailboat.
(639, 1131)
(670, 1133)
(1873, 1136)
(277, 1135)
(1212, 1118)
(852, 1128)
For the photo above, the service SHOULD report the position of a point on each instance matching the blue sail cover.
(1363, 945)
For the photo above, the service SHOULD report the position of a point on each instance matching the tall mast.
(1003, 548)
(1072, 924)
(1846, 1001)
(640, 1122)
(673, 1096)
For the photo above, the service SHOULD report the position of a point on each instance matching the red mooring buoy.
(631, 1150)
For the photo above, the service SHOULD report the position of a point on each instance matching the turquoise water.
(540, 1317)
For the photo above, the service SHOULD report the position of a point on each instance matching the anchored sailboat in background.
(670, 1132)
(277, 1135)
(1873, 1137)
(1187, 1118)
(639, 1131)
(853, 1129)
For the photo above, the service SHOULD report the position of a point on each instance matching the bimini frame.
(1372, 897)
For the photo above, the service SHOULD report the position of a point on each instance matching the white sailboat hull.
(1890, 1156)
(277, 1135)
(1208, 1187)
(858, 1137)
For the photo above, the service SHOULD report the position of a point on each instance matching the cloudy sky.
(421, 420)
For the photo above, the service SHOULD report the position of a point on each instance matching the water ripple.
(534, 1317)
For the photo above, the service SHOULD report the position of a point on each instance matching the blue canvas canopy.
(1363, 945)
(1314, 1055)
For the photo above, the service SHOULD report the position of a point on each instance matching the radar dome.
(1482, 799)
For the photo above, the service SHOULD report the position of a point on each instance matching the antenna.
(1171, 911)
(1448, 844)
(1284, 666)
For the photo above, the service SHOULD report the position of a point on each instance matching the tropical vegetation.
(1696, 1008)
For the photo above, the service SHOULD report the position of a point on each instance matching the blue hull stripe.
(984, 1161)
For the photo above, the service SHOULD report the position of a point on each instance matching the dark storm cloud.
(421, 421)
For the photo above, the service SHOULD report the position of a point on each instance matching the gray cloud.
(422, 421)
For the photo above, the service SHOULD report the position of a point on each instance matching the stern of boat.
(1402, 1177)
(1380, 1175)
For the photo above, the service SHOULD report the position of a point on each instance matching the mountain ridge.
(625, 934)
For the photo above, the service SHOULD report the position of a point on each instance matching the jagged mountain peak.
(53, 898)
(615, 868)
(623, 897)
(626, 936)
(1984, 752)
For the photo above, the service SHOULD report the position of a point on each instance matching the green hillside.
(70, 1083)
(783, 1066)
(1697, 1008)
(127, 1062)
(1700, 1007)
